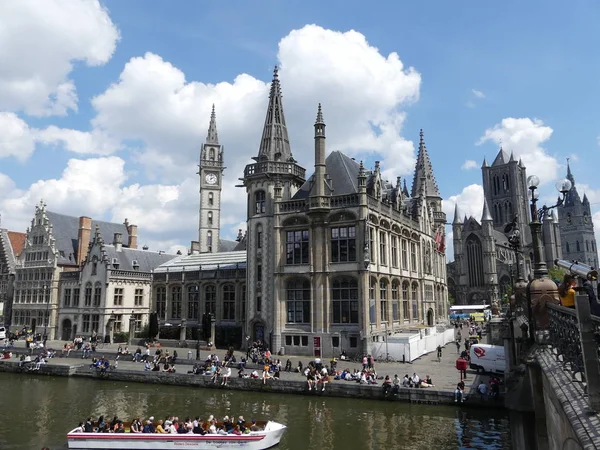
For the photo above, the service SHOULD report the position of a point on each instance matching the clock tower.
(211, 182)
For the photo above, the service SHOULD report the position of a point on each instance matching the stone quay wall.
(336, 388)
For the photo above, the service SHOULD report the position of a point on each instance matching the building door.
(430, 317)
(259, 332)
(67, 328)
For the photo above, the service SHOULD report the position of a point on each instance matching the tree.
(556, 273)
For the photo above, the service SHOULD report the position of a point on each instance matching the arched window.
(415, 302)
(210, 218)
(383, 300)
(298, 301)
(211, 199)
(395, 301)
(161, 302)
(344, 294)
(193, 302)
(87, 295)
(259, 236)
(97, 293)
(587, 246)
(259, 202)
(209, 240)
(372, 294)
(210, 299)
(229, 302)
(578, 247)
(211, 154)
(568, 249)
(474, 261)
(176, 302)
(405, 307)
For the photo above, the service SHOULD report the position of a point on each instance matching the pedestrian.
(457, 347)
(439, 353)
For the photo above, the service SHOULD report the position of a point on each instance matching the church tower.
(505, 190)
(576, 227)
(211, 184)
(274, 176)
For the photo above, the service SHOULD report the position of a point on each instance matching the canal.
(37, 411)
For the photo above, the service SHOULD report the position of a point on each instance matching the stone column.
(183, 329)
(131, 329)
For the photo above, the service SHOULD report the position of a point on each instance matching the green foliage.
(451, 299)
(120, 337)
(556, 273)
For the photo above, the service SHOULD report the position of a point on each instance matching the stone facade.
(484, 265)
(11, 246)
(110, 292)
(577, 227)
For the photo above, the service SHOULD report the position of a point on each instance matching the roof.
(8, 250)
(226, 245)
(205, 261)
(501, 158)
(147, 261)
(341, 170)
(17, 241)
(65, 230)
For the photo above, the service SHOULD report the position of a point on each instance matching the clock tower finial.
(211, 179)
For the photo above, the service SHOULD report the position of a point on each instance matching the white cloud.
(524, 137)
(16, 138)
(469, 164)
(470, 203)
(478, 93)
(94, 143)
(40, 41)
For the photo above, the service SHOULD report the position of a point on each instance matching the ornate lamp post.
(541, 289)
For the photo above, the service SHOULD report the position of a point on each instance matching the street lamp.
(541, 289)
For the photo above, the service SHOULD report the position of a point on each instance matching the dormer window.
(135, 264)
(115, 263)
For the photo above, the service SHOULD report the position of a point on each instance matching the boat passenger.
(100, 423)
(148, 427)
(136, 426)
(221, 430)
(79, 429)
(254, 427)
(241, 423)
(159, 428)
(236, 430)
(88, 426)
(227, 424)
(212, 429)
(120, 428)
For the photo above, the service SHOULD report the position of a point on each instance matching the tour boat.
(256, 440)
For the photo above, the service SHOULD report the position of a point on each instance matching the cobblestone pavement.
(444, 374)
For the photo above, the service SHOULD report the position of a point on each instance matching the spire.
(501, 158)
(570, 176)
(512, 157)
(212, 137)
(319, 116)
(456, 215)
(486, 216)
(585, 199)
(485, 164)
(424, 179)
(572, 197)
(404, 188)
(275, 143)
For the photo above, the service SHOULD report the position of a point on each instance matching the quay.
(444, 375)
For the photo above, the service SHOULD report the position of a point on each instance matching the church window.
(383, 248)
(229, 302)
(343, 244)
(210, 218)
(176, 302)
(297, 247)
(345, 300)
(298, 301)
(395, 302)
(211, 154)
(474, 261)
(259, 202)
(578, 248)
(210, 300)
(415, 302)
(383, 300)
(211, 199)
(193, 299)
(259, 236)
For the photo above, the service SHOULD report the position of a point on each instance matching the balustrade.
(566, 340)
(274, 167)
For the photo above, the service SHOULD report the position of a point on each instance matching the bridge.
(553, 372)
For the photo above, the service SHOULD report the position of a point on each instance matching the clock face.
(211, 178)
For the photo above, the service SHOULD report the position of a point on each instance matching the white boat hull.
(259, 440)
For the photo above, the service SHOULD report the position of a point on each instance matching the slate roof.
(17, 241)
(226, 245)
(147, 260)
(501, 158)
(424, 171)
(205, 261)
(66, 228)
(343, 173)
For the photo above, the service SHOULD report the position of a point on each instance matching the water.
(37, 411)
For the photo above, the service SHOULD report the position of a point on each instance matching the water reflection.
(49, 407)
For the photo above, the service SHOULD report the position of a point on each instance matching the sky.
(104, 105)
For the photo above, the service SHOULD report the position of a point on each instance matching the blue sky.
(475, 65)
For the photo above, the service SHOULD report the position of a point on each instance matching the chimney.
(132, 232)
(195, 247)
(83, 238)
(118, 241)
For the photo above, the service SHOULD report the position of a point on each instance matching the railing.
(275, 167)
(74, 275)
(566, 340)
(345, 201)
(292, 206)
(130, 274)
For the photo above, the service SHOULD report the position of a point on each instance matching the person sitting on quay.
(386, 385)
(226, 375)
(459, 392)
(288, 365)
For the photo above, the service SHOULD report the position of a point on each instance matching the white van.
(2, 333)
(487, 358)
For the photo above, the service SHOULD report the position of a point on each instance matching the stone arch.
(67, 330)
(295, 220)
(342, 216)
(430, 315)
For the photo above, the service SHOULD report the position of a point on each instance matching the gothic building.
(339, 260)
(484, 263)
(576, 227)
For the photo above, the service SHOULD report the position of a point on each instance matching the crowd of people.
(170, 425)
